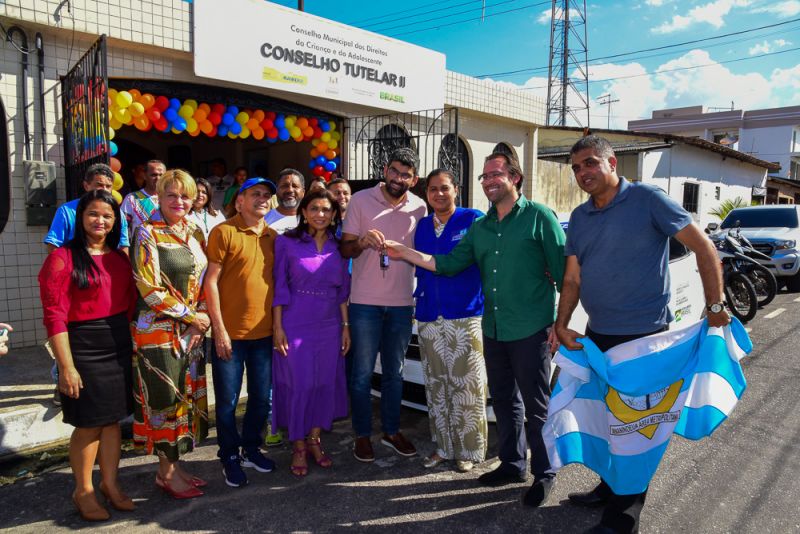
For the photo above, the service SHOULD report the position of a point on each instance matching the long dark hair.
(209, 207)
(301, 230)
(84, 269)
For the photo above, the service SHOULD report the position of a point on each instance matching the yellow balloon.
(191, 125)
(136, 109)
(315, 142)
(192, 103)
(118, 182)
(112, 94)
(325, 137)
(115, 124)
(332, 125)
(336, 135)
(186, 111)
(333, 143)
(111, 133)
(231, 135)
(124, 99)
(117, 196)
(245, 132)
(289, 122)
(242, 118)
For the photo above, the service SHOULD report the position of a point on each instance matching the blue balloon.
(228, 119)
(179, 124)
(330, 166)
(279, 122)
(312, 163)
(235, 128)
(233, 110)
(272, 139)
(321, 160)
(222, 130)
(337, 160)
(283, 134)
(324, 126)
(112, 146)
(175, 104)
(171, 115)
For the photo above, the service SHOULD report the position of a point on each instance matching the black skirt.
(102, 351)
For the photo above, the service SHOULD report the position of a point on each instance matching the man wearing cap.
(239, 291)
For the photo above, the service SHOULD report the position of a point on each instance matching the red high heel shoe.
(197, 482)
(190, 493)
(297, 454)
(323, 460)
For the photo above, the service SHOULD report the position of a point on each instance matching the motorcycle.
(737, 253)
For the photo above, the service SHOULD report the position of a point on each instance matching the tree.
(726, 206)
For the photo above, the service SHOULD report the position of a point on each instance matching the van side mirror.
(712, 227)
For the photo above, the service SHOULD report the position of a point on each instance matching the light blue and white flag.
(615, 412)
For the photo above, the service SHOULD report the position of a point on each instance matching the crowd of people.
(303, 288)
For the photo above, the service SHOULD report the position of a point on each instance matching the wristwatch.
(715, 307)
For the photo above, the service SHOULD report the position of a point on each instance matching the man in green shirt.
(519, 249)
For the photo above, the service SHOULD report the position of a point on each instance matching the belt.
(316, 292)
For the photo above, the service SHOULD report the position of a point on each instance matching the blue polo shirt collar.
(624, 187)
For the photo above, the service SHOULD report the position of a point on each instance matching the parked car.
(686, 302)
(773, 230)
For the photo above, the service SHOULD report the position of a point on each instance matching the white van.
(687, 303)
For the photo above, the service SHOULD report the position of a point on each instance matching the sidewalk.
(28, 419)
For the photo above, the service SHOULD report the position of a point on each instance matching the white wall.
(773, 143)
(669, 168)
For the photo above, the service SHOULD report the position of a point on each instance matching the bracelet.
(345, 323)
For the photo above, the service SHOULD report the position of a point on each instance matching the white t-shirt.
(206, 221)
(279, 222)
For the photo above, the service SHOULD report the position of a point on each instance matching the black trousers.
(518, 373)
(622, 512)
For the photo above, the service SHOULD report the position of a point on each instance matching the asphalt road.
(742, 479)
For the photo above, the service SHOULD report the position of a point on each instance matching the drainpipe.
(42, 115)
(23, 83)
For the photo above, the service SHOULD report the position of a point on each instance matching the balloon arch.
(145, 112)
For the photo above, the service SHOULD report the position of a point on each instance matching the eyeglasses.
(491, 176)
(405, 176)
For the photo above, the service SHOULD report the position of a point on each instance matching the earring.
(305, 221)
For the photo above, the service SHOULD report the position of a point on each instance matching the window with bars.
(691, 197)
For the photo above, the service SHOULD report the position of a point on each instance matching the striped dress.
(171, 408)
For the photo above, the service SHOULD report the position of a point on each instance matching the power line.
(680, 68)
(488, 15)
(369, 20)
(464, 12)
(664, 47)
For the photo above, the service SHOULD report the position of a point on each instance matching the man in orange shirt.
(239, 289)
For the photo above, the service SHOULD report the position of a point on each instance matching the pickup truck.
(773, 230)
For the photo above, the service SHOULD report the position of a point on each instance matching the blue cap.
(257, 180)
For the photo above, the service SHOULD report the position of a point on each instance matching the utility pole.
(301, 5)
(568, 52)
(605, 100)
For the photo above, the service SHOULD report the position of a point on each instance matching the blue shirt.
(623, 252)
(62, 229)
(451, 297)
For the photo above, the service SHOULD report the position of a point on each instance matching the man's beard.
(289, 203)
(394, 193)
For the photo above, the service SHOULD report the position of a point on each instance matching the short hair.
(98, 168)
(288, 171)
(406, 156)
(240, 168)
(338, 181)
(444, 172)
(157, 162)
(180, 178)
(511, 163)
(600, 145)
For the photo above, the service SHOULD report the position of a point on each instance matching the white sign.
(263, 44)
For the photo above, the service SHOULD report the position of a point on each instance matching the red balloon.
(317, 132)
(215, 118)
(153, 114)
(272, 133)
(213, 132)
(313, 122)
(319, 170)
(270, 115)
(161, 124)
(162, 103)
(267, 124)
(218, 108)
(327, 175)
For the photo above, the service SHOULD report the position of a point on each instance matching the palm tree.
(726, 206)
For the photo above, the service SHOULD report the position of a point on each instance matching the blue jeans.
(256, 356)
(373, 329)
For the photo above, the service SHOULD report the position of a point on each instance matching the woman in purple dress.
(311, 333)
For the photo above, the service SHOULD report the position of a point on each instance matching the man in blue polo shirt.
(62, 229)
(617, 253)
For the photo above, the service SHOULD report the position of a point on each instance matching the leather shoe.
(501, 477)
(400, 444)
(538, 492)
(588, 499)
(362, 449)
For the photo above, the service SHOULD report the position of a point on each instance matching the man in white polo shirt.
(381, 301)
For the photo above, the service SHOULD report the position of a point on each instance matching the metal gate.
(433, 134)
(84, 101)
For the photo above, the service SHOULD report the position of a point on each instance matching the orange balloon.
(258, 133)
(115, 165)
(259, 115)
(253, 123)
(302, 122)
(135, 93)
(322, 147)
(330, 154)
(205, 107)
(147, 100)
(205, 126)
(308, 131)
(200, 115)
(141, 122)
(195, 132)
(314, 153)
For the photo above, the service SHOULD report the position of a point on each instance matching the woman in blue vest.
(449, 313)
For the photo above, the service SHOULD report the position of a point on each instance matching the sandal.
(299, 453)
(322, 459)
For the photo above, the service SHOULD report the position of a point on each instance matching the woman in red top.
(88, 296)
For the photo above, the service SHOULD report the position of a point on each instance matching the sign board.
(266, 45)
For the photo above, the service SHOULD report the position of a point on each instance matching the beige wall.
(556, 187)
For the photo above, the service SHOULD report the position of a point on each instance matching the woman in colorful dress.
(448, 316)
(311, 333)
(88, 297)
(204, 214)
(171, 412)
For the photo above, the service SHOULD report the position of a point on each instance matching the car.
(686, 302)
(773, 230)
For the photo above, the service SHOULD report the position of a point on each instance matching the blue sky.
(756, 69)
